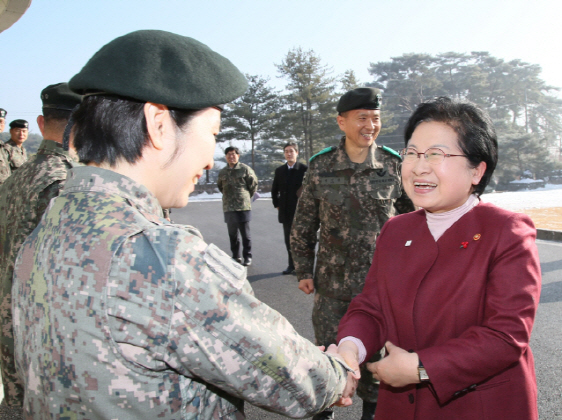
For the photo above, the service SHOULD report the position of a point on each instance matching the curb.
(549, 235)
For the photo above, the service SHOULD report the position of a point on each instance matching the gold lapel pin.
(477, 237)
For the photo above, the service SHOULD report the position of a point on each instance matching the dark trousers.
(287, 231)
(244, 229)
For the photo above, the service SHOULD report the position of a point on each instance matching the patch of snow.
(549, 196)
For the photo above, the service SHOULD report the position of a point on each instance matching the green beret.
(161, 67)
(3, 113)
(360, 98)
(59, 96)
(19, 124)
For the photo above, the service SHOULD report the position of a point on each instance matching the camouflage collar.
(343, 161)
(51, 147)
(13, 144)
(238, 165)
(90, 178)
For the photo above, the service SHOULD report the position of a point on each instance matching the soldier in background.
(19, 129)
(120, 314)
(349, 192)
(5, 170)
(3, 114)
(238, 183)
(23, 200)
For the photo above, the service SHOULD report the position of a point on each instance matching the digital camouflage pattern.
(5, 169)
(23, 200)
(237, 185)
(16, 155)
(349, 202)
(120, 314)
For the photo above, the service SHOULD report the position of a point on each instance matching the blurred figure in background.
(285, 192)
(19, 129)
(238, 183)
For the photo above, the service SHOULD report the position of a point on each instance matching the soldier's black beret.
(19, 124)
(3, 113)
(59, 96)
(360, 98)
(161, 67)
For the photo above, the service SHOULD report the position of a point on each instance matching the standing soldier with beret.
(119, 313)
(349, 192)
(5, 170)
(19, 129)
(23, 200)
(238, 183)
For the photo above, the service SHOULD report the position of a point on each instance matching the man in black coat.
(285, 193)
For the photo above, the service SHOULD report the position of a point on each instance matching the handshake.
(399, 368)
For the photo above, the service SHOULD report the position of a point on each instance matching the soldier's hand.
(352, 378)
(307, 286)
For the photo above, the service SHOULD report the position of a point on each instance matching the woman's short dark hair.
(231, 149)
(110, 128)
(476, 133)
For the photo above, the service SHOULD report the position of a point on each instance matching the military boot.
(369, 409)
(324, 415)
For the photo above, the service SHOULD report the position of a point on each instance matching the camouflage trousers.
(326, 316)
(13, 387)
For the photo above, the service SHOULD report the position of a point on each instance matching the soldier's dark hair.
(110, 128)
(476, 133)
(231, 149)
(291, 144)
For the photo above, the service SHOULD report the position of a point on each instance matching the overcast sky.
(55, 38)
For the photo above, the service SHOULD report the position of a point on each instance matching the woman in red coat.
(454, 287)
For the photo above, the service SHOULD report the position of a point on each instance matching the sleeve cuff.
(362, 351)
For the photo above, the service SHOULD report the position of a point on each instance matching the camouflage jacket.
(17, 155)
(121, 314)
(349, 202)
(23, 200)
(5, 169)
(237, 185)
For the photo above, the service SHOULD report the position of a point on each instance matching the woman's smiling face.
(439, 187)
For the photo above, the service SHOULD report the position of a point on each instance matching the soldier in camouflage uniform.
(23, 200)
(238, 183)
(3, 114)
(5, 170)
(349, 192)
(117, 312)
(19, 129)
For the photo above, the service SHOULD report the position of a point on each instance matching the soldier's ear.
(41, 124)
(341, 122)
(156, 116)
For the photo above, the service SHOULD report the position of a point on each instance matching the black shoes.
(369, 409)
(237, 259)
(289, 270)
(247, 262)
(324, 415)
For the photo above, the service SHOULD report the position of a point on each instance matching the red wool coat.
(466, 304)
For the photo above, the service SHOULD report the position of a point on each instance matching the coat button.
(411, 398)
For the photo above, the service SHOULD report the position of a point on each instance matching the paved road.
(281, 293)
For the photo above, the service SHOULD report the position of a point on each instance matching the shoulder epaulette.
(391, 151)
(321, 152)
